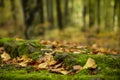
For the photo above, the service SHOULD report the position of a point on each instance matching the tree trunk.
(59, 14)
(91, 13)
(66, 12)
(1, 13)
(98, 16)
(40, 10)
(50, 15)
(18, 17)
(84, 13)
(29, 14)
(114, 12)
(1, 3)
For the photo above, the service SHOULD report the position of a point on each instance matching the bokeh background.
(89, 22)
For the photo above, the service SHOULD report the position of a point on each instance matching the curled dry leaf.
(77, 68)
(5, 56)
(49, 59)
(23, 64)
(43, 66)
(1, 50)
(24, 60)
(19, 39)
(90, 64)
(58, 65)
(59, 70)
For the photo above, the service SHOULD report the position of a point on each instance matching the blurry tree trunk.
(91, 13)
(114, 12)
(119, 14)
(1, 13)
(119, 23)
(66, 12)
(72, 7)
(18, 17)
(59, 14)
(40, 10)
(28, 15)
(1, 3)
(84, 13)
(98, 16)
(7, 13)
(108, 15)
(50, 15)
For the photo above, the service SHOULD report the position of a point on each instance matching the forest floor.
(55, 60)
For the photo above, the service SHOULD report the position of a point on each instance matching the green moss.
(4, 40)
(18, 48)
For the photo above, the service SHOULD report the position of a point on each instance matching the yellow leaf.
(90, 64)
(5, 56)
(43, 66)
(19, 39)
(58, 65)
(25, 58)
(23, 64)
(1, 50)
(49, 59)
(59, 70)
(77, 67)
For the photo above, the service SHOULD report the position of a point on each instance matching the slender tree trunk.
(84, 16)
(114, 12)
(59, 14)
(18, 17)
(28, 15)
(40, 10)
(66, 12)
(98, 16)
(1, 3)
(91, 13)
(50, 15)
(1, 13)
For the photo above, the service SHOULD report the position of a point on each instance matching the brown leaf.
(58, 65)
(25, 58)
(1, 50)
(77, 67)
(43, 66)
(49, 59)
(5, 56)
(90, 64)
(23, 64)
(19, 39)
(60, 70)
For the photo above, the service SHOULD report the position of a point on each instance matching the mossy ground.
(108, 69)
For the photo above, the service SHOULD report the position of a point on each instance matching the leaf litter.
(48, 62)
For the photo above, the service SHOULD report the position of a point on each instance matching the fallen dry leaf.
(5, 56)
(25, 58)
(49, 59)
(59, 70)
(77, 67)
(43, 66)
(23, 64)
(90, 64)
(1, 50)
(58, 65)
(19, 39)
